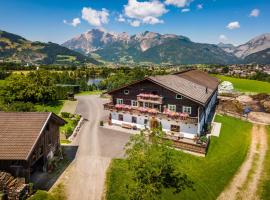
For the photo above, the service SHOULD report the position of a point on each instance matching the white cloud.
(120, 18)
(185, 10)
(223, 38)
(147, 12)
(75, 22)
(233, 25)
(178, 3)
(254, 13)
(200, 6)
(152, 20)
(95, 17)
(135, 23)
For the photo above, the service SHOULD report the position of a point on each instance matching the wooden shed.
(27, 141)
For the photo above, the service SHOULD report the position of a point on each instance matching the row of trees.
(20, 90)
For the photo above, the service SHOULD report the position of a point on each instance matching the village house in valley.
(28, 141)
(180, 102)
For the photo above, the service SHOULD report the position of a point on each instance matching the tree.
(153, 168)
(33, 87)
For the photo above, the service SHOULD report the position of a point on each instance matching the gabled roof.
(19, 132)
(193, 84)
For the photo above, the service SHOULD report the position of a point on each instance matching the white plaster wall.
(189, 130)
(166, 125)
(127, 118)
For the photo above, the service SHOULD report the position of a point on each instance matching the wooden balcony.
(150, 98)
(140, 111)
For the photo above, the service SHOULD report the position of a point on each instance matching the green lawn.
(246, 85)
(95, 92)
(264, 187)
(2, 82)
(210, 174)
(54, 107)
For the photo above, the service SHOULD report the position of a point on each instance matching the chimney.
(206, 90)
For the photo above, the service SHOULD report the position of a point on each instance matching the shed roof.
(19, 132)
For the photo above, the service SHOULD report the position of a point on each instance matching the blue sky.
(207, 21)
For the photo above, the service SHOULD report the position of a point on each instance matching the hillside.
(257, 44)
(14, 48)
(148, 47)
(261, 57)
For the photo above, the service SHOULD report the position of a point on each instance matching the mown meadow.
(210, 174)
(247, 85)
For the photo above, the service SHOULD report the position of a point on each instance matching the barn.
(28, 140)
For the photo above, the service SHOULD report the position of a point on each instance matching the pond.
(94, 81)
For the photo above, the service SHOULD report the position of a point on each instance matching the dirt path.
(244, 184)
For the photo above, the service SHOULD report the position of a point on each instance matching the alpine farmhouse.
(182, 103)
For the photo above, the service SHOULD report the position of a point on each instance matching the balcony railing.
(150, 98)
(151, 112)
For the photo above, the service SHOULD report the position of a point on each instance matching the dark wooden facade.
(47, 144)
(146, 86)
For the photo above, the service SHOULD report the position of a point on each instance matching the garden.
(210, 174)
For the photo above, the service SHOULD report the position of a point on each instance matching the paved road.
(97, 146)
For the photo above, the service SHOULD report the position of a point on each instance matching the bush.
(203, 139)
(21, 107)
(65, 114)
(68, 132)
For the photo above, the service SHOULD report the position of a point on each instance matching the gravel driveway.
(97, 146)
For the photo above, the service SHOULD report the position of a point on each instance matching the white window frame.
(132, 103)
(187, 109)
(178, 96)
(119, 101)
(172, 107)
(126, 92)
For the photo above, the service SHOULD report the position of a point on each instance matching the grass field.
(246, 85)
(210, 174)
(54, 107)
(264, 187)
(95, 92)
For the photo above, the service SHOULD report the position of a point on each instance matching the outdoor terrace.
(184, 117)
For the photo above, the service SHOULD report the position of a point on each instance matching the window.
(120, 117)
(178, 96)
(145, 121)
(172, 107)
(126, 92)
(134, 120)
(134, 103)
(175, 128)
(187, 109)
(119, 101)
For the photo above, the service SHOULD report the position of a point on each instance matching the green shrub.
(68, 132)
(21, 107)
(65, 114)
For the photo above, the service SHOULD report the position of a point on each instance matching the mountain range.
(166, 48)
(97, 45)
(14, 48)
